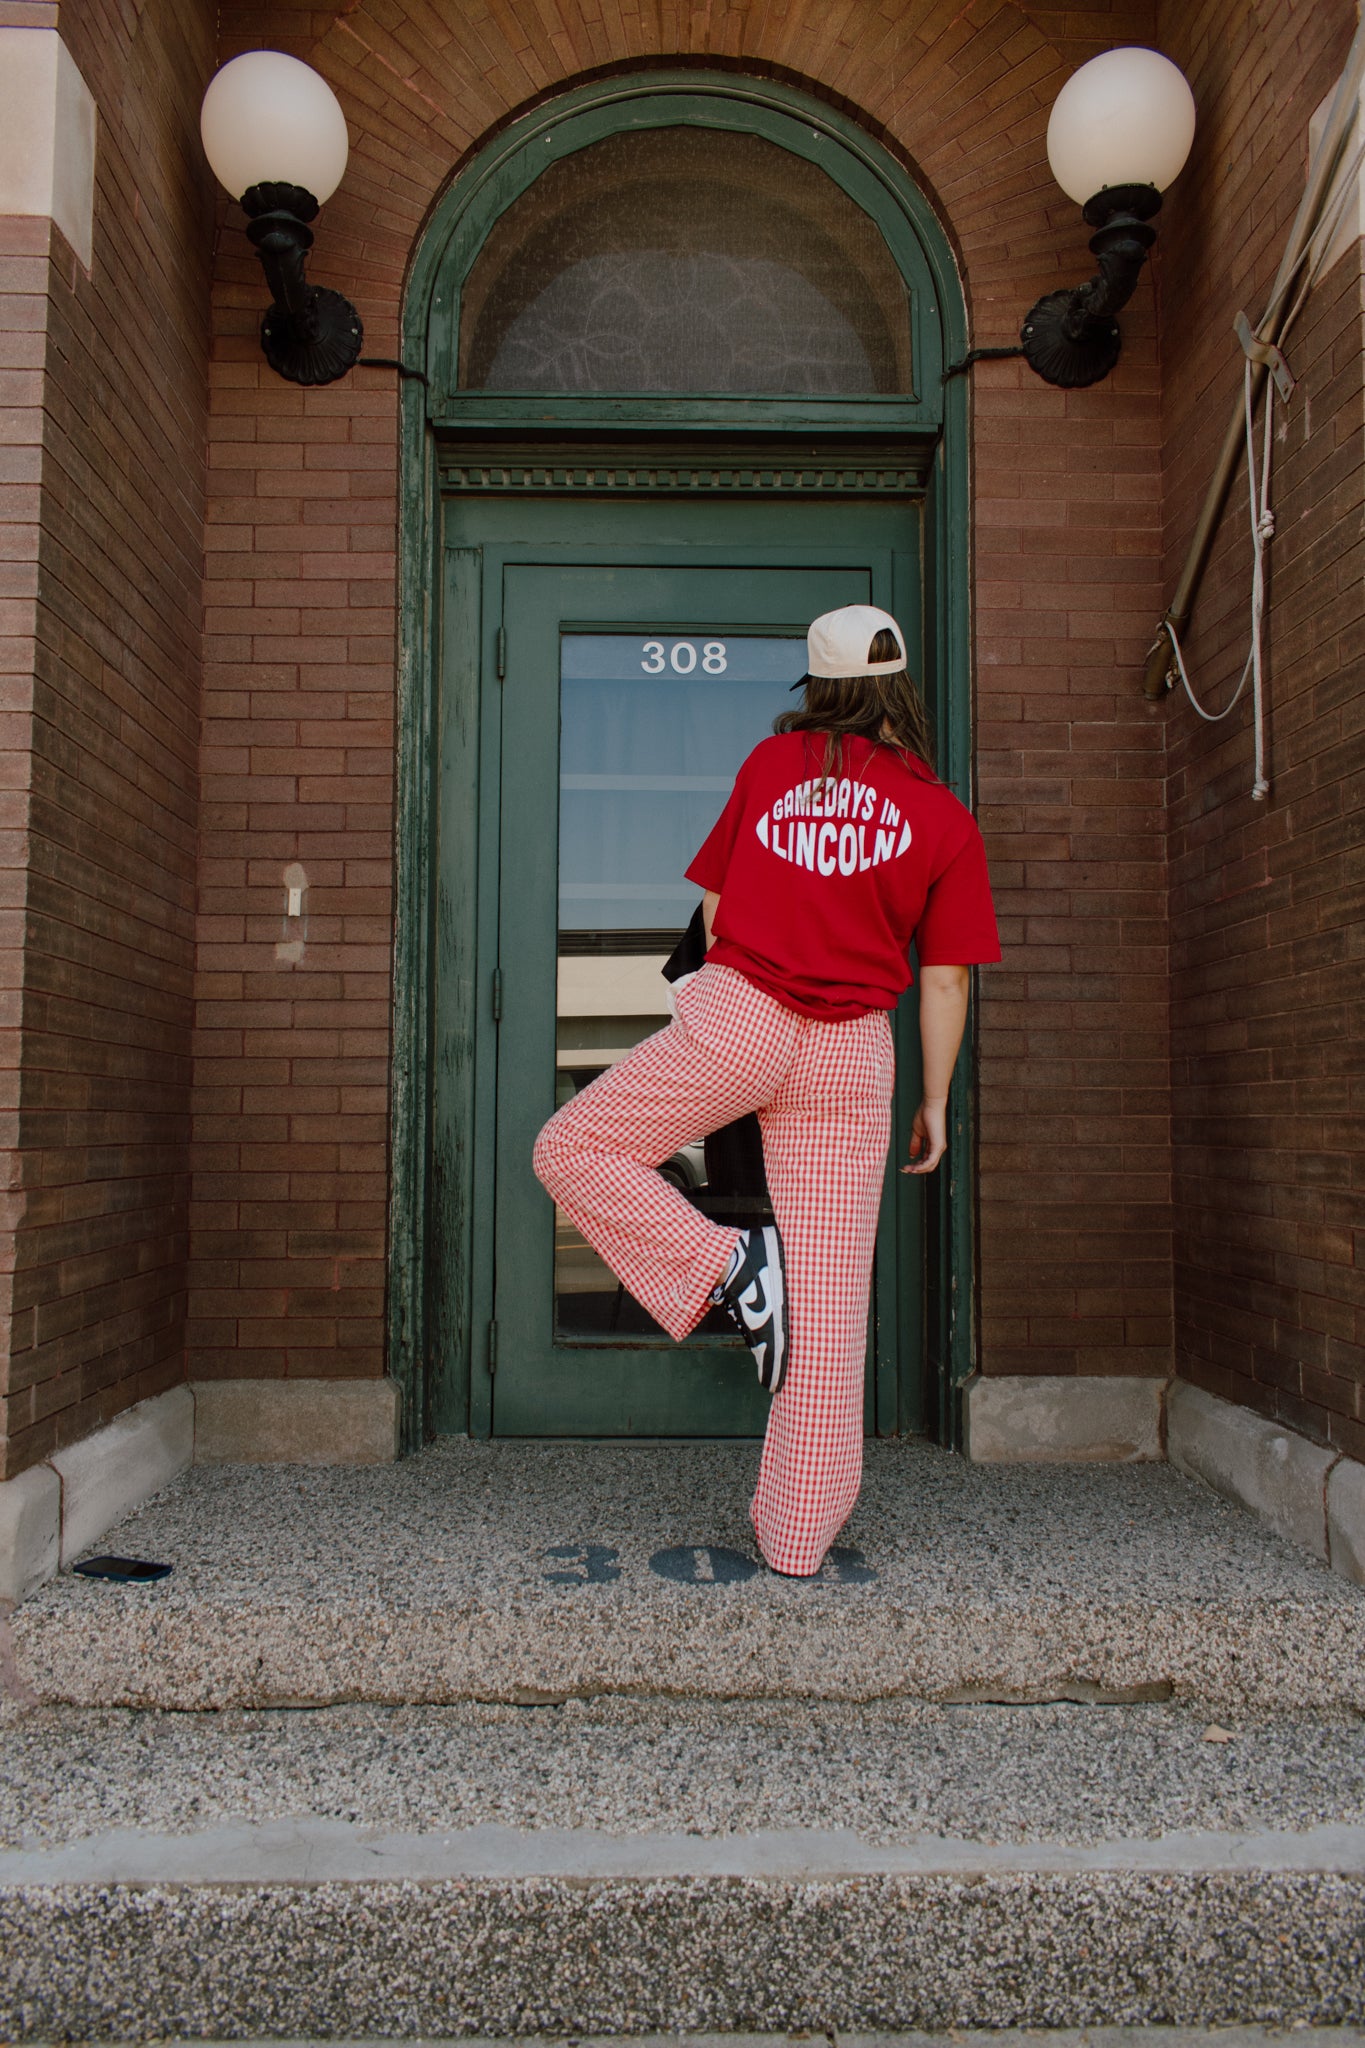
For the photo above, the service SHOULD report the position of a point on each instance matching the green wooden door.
(635, 675)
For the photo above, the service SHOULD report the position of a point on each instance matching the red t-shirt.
(822, 889)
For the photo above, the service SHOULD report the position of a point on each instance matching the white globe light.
(267, 118)
(1126, 118)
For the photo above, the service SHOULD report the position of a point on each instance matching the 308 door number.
(689, 1564)
(681, 656)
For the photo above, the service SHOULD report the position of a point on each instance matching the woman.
(837, 848)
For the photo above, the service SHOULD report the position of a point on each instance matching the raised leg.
(725, 1055)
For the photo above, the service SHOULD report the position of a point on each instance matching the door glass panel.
(653, 727)
(685, 259)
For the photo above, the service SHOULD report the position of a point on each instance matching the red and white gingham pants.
(822, 1091)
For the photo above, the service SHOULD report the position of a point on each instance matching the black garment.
(736, 1191)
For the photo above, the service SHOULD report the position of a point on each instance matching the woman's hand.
(943, 995)
(928, 1137)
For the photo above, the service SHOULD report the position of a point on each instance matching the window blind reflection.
(653, 728)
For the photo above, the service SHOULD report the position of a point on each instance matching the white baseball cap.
(837, 642)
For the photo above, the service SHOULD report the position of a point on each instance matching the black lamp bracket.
(310, 335)
(1071, 338)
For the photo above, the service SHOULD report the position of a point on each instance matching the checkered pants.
(822, 1091)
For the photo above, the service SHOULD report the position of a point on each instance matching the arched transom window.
(685, 259)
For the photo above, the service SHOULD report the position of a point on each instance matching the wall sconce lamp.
(275, 137)
(1120, 132)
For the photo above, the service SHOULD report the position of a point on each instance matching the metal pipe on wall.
(1159, 675)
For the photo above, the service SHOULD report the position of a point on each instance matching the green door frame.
(727, 553)
(451, 437)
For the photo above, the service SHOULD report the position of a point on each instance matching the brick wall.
(1266, 1010)
(102, 733)
(291, 1056)
(1076, 523)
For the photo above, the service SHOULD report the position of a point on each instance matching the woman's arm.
(942, 1018)
(710, 904)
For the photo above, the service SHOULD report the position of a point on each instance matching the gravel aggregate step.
(626, 1865)
(528, 1572)
(890, 1772)
(639, 1950)
(1297, 2035)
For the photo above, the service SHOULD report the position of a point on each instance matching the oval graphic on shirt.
(831, 827)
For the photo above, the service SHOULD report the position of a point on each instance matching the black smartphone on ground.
(128, 1568)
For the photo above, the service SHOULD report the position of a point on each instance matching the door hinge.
(502, 652)
(492, 1350)
(497, 995)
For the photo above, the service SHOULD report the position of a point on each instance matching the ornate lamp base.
(310, 335)
(1063, 358)
(319, 348)
(1072, 338)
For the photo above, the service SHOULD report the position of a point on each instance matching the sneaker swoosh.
(754, 1300)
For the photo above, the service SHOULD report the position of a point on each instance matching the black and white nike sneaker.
(753, 1292)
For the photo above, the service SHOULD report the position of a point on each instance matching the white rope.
(1214, 717)
(1262, 533)
(1308, 268)
(1262, 518)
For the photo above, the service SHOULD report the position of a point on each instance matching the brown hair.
(845, 707)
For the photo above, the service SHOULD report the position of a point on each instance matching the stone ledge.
(296, 1422)
(1060, 1418)
(317, 1850)
(1346, 1519)
(48, 122)
(117, 1468)
(30, 1531)
(1271, 1469)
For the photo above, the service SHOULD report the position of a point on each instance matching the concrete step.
(1299, 2035)
(623, 1866)
(530, 1572)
